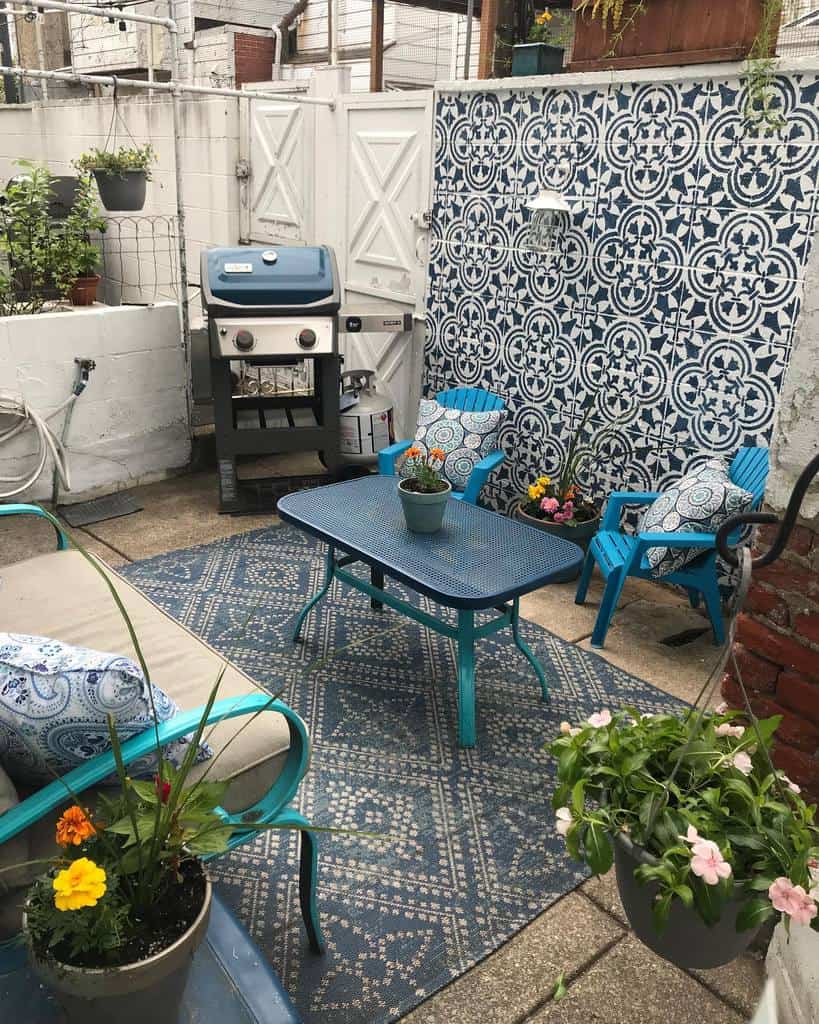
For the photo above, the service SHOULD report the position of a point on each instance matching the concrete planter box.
(130, 424)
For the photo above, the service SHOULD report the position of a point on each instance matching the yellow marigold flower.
(535, 491)
(74, 827)
(80, 885)
(544, 481)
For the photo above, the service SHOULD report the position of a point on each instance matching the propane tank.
(366, 418)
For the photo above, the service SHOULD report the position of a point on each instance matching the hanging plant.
(760, 114)
(121, 174)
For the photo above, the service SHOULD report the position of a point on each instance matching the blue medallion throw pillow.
(466, 437)
(698, 503)
(54, 703)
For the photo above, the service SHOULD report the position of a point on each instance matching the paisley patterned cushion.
(698, 503)
(54, 703)
(466, 437)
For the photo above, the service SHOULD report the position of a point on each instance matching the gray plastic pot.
(121, 192)
(580, 535)
(148, 991)
(687, 940)
(424, 513)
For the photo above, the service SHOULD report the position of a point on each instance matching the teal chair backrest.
(749, 470)
(470, 400)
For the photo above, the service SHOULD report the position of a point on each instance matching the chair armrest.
(617, 500)
(78, 779)
(480, 474)
(388, 456)
(675, 540)
(34, 510)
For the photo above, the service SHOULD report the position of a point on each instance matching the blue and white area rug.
(477, 855)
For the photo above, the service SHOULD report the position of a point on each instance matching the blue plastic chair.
(466, 400)
(621, 555)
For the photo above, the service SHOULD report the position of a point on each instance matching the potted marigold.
(548, 39)
(708, 839)
(422, 491)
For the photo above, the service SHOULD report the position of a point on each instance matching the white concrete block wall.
(131, 421)
(59, 132)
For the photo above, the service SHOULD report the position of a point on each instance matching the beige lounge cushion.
(60, 595)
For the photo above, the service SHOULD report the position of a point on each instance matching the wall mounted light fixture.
(549, 214)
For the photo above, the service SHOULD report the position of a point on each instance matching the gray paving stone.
(519, 976)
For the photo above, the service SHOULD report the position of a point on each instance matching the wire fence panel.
(140, 262)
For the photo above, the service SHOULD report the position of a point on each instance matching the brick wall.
(778, 653)
(253, 58)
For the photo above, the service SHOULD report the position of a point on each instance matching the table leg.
(466, 678)
(329, 570)
(377, 580)
(527, 650)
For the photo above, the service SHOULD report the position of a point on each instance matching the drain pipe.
(278, 32)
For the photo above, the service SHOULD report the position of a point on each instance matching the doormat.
(110, 506)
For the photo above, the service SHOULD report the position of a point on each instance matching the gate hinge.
(242, 169)
(422, 218)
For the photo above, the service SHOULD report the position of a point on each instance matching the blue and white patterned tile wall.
(672, 302)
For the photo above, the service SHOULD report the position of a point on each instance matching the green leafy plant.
(126, 158)
(697, 793)
(761, 113)
(79, 254)
(422, 472)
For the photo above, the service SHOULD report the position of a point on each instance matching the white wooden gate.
(356, 178)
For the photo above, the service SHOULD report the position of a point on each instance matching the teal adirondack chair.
(465, 400)
(621, 555)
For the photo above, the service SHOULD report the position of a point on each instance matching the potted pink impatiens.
(707, 838)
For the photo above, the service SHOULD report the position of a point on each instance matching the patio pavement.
(609, 976)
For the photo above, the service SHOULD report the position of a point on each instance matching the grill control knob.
(307, 337)
(244, 341)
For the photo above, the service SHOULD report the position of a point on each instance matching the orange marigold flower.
(74, 827)
(413, 452)
(437, 453)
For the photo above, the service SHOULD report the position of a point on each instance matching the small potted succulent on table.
(422, 491)
(121, 175)
(708, 838)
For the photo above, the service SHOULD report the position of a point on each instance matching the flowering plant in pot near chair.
(708, 839)
(422, 491)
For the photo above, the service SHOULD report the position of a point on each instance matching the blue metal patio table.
(478, 561)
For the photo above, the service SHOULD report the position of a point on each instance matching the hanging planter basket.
(687, 940)
(123, 191)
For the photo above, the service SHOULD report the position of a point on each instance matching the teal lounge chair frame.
(465, 400)
(271, 810)
(620, 555)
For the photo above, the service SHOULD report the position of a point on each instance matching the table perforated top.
(477, 560)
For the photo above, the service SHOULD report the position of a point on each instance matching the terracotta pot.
(424, 513)
(84, 291)
(148, 991)
(667, 33)
(580, 535)
(687, 940)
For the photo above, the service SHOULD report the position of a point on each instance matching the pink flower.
(692, 836)
(708, 863)
(568, 730)
(549, 505)
(564, 820)
(791, 785)
(600, 718)
(743, 762)
(792, 900)
(721, 708)
(726, 729)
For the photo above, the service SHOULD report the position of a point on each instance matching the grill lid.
(271, 278)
